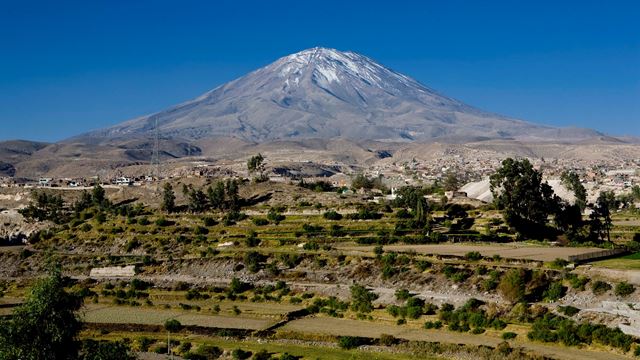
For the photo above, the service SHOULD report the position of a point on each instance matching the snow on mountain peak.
(333, 66)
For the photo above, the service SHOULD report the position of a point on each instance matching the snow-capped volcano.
(326, 93)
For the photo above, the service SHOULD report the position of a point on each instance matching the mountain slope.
(325, 93)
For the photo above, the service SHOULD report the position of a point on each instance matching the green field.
(628, 262)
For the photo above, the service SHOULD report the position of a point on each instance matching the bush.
(253, 260)
(509, 335)
(554, 292)
(624, 289)
(99, 350)
(473, 256)
(351, 342)
(599, 287)
(568, 310)
(209, 221)
(239, 354)
(512, 285)
(172, 325)
(387, 340)
(559, 263)
(205, 352)
(260, 221)
(262, 355)
(403, 294)
(332, 215)
(362, 299)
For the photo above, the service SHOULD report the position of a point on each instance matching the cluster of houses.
(91, 181)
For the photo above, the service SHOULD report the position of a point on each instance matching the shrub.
(403, 294)
(262, 355)
(473, 256)
(209, 221)
(624, 289)
(351, 342)
(512, 285)
(332, 215)
(558, 263)
(577, 282)
(568, 310)
(252, 239)
(253, 260)
(311, 245)
(260, 221)
(206, 352)
(172, 325)
(509, 335)
(362, 299)
(600, 287)
(239, 354)
(433, 324)
(162, 222)
(554, 292)
(387, 340)
(200, 230)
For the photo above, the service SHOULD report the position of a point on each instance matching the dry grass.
(146, 316)
(509, 251)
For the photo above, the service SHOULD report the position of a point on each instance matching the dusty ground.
(510, 251)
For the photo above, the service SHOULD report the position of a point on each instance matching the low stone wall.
(113, 272)
(595, 255)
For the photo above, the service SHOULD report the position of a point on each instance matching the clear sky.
(71, 66)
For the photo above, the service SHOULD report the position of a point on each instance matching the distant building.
(125, 181)
(45, 181)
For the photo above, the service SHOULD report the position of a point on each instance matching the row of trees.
(528, 203)
(47, 206)
(220, 196)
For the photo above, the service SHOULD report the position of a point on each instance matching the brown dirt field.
(138, 315)
(508, 251)
(334, 326)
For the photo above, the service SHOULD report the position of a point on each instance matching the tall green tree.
(451, 182)
(601, 216)
(45, 326)
(525, 200)
(232, 194)
(168, 198)
(362, 299)
(571, 181)
(216, 195)
(255, 163)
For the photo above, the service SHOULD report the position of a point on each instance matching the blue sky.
(70, 66)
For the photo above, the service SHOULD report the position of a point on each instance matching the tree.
(635, 192)
(512, 285)
(362, 299)
(172, 325)
(420, 215)
(526, 201)
(451, 182)
(99, 197)
(196, 200)
(216, 195)
(45, 326)
(232, 196)
(256, 163)
(571, 181)
(168, 198)
(601, 222)
(45, 207)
